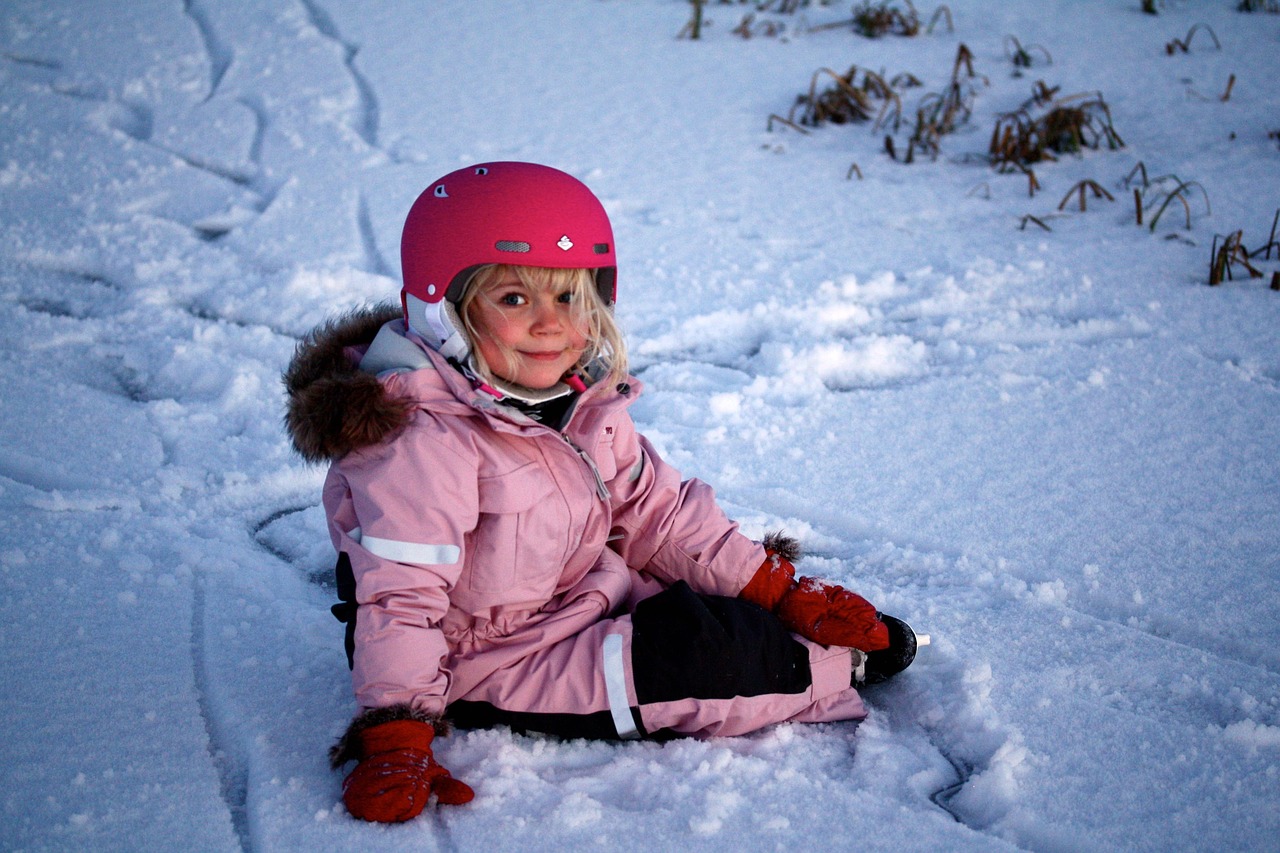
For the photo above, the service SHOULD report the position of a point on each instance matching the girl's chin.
(536, 379)
(540, 383)
(539, 373)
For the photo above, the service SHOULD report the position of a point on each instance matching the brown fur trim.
(777, 542)
(333, 408)
(348, 746)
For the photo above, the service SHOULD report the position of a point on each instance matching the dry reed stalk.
(1184, 45)
(1230, 253)
(693, 29)
(1020, 55)
(1080, 188)
(1180, 191)
(941, 11)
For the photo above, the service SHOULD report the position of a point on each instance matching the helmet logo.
(565, 243)
(440, 192)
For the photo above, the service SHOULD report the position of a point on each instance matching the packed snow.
(1046, 442)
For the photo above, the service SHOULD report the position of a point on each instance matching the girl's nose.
(546, 316)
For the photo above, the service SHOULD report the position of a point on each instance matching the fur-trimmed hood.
(333, 406)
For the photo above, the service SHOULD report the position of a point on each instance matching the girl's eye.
(566, 297)
(511, 299)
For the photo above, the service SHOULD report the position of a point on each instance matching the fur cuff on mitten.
(348, 746)
(776, 575)
(783, 545)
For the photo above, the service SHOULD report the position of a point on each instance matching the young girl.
(512, 551)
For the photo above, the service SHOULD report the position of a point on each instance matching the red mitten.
(772, 581)
(822, 612)
(833, 616)
(397, 773)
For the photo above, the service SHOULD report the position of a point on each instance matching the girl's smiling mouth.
(543, 356)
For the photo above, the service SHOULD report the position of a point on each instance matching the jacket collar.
(355, 382)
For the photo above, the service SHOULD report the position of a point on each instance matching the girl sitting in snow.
(513, 552)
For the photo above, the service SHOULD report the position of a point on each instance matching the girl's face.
(528, 335)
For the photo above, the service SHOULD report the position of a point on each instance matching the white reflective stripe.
(615, 684)
(355, 535)
(421, 553)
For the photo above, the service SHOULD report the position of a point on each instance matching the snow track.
(218, 54)
(228, 756)
(365, 115)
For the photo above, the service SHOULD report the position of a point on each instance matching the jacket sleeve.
(672, 528)
(402, 512)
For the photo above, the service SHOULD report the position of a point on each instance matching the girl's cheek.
(489, 324)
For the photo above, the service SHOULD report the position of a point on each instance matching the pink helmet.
(496, 213)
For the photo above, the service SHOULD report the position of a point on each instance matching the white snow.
(1054, 451)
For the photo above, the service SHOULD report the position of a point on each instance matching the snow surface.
(1055, 451)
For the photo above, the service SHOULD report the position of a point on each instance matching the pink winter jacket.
(478, 536)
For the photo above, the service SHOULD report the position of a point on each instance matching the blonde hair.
(591, 315)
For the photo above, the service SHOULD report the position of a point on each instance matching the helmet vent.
(601, 248)
(512, 246)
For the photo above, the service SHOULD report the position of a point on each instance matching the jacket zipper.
(601, 489)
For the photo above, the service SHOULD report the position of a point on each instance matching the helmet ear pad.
(607, 285)
(438, 323)
(457, 287)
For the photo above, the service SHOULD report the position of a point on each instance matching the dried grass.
(1231, 253)
(1069, 125)
(858, 95)
(876, 19)
(940, 113)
